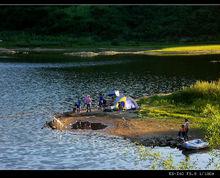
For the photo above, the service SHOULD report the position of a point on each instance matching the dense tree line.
(139, 23)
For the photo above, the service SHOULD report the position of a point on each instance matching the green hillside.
(114, 24)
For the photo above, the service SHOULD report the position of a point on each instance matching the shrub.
(210, 110)
(199, 90)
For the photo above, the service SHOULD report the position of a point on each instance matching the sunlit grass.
(191, 48)
(201, 90)
(200, 103)
(197, 103)
(187, 50)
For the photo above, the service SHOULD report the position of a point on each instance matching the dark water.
(33, 90)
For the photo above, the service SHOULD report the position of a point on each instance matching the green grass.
(188, 50)
(192, 48)
(191, 102)
(200, 103)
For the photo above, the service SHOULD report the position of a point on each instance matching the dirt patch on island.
(88, 125)
(149, 132)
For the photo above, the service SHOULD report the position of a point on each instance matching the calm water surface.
(33, 90)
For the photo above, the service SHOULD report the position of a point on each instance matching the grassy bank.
(200, 103)
(188, 50)
(18, 44)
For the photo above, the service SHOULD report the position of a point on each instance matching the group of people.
(87, 100)
(183, 132)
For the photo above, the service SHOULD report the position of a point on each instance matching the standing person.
(78, 105)
(101, 100)
(186, 126)
(182, 132)
(88, 102)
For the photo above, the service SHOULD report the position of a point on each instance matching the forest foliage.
(115, 23)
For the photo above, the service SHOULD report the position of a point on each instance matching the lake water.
(32, 90)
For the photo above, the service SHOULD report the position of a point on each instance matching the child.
(120, 107)
(186, 126)
(182, 132)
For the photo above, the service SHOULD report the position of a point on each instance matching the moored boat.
(195, 144)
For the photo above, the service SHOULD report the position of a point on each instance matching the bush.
(211, 129)
(199, 90)
(210, 110)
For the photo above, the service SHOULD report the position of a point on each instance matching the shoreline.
(110, 51)
(148, 132)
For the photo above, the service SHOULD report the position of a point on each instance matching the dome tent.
(126, 101)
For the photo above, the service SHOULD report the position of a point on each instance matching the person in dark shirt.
(182, 132)
(101, 101)
(78, 106)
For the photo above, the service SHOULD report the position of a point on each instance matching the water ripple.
(32, 92)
